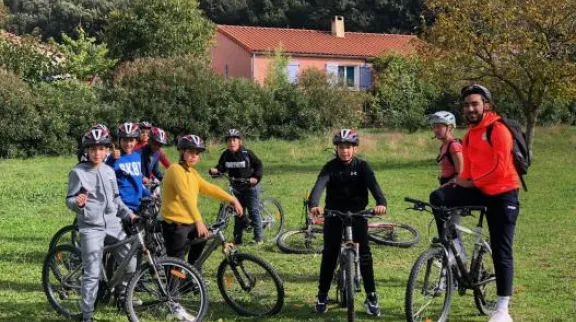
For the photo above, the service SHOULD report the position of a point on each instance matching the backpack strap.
(447, 153)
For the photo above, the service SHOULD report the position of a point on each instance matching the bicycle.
(248, 283)
(309, 240)
(348, 276)
(163, 284)
(271, 211)
(440, 268)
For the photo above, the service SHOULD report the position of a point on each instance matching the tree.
(27, 58)
(526, 48)
(158, 28)
(4, 15)
(83, 58)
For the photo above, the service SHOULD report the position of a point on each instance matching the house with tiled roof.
(243, 51)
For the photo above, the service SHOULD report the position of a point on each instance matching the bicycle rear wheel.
(145, 300)
(301, 241)
(272, 218)
(349, 288)
(250, 285)
(66, 235)
(485, 295)
(62, 280)
(429, 289)
(392, 234)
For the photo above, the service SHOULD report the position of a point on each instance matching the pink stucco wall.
(262, 63)
(227, 52)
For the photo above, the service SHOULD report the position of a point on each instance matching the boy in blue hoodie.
(127, 165)
(93, 195)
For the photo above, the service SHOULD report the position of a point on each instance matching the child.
(128, 166)
(145, 133)
(92, 194)
(347, 180)
(450, 157)
(151, 154)
(181, 186)
(242, 163)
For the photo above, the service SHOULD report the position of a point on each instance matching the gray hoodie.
(103, 206)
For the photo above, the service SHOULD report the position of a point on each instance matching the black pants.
(177, 237)
(333, 241)
(502, 213)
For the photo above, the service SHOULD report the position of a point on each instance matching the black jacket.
(346, 186)
(241, 164)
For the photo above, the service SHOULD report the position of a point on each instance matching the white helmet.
(442, 117)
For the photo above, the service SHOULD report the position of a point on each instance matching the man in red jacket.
(489, 179)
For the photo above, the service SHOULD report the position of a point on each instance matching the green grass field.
(32, 209)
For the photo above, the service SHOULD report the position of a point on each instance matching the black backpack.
(520, 150)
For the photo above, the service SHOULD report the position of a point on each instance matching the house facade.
(243, 51)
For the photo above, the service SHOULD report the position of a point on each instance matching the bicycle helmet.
(476, 89)
(346, 136)
(191, 141)
(233, 133)
(145, 125)
(158, 135)
(442, 117)
(128, 130)
(97, 135)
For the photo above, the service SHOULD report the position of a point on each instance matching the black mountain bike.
(440, 269)
(249, 284)
(163, 285)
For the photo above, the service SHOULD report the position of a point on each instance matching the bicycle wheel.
(485, 295)
(145, 300)
(66, 235)
(302, 241)
(392, 234)
(250, 285)
(62, 280)
(272, 218)
(429, 289)
(348, 257)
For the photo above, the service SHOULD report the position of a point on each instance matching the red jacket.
(490, 167)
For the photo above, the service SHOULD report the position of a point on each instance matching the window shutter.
(332, 73)
(365, 77)
(293, 72)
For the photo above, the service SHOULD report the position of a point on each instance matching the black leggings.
(177, 237)
(333, 241)
(502, 213)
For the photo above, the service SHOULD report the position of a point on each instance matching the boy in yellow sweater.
(180, 189)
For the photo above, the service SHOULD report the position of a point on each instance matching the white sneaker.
(500, 316)
(178, 313)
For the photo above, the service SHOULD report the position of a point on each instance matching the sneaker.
(321, 303)
(238, 240)
(371, 304)
(178, 313)
(500, 316)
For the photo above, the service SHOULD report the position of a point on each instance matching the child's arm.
(319, 186)
(256, 166)
(213, 190)
(373, 186)
(74, 191)
(164, 160)
(156, 170)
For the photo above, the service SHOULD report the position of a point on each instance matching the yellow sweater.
(180, 189)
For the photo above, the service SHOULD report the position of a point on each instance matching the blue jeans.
(249, 197)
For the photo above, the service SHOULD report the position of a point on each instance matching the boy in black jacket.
(347, 180)
(241, 163)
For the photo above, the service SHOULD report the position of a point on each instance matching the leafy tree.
(522, 48)
(27, 58)
(158, 28)
(4, 15)
(83, 58)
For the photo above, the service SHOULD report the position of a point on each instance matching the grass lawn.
(32, 197)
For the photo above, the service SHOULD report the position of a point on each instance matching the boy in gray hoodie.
(93, 195)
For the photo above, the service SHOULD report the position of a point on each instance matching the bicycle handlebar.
(422, 205)
(232, 180)
(335, 213)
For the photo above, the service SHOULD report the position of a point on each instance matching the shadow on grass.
(30, 257)
(14, 286)
(38, 312)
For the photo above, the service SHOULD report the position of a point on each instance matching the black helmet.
(145, 125)
(158, 135)
(346, 136)
(233, 133)
(476, 89)
(191, 141)
(128, 130)
(97, 135)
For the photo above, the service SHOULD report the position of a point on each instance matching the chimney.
(338, 26)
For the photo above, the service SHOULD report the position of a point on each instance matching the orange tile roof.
(316, 42)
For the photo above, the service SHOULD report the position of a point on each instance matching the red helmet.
(158, 135)
(191, 141)
(346, 136)
(97, 135)
(128, 130)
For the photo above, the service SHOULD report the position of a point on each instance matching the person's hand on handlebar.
(238, 207)
(317, 211)
(380, 210)
(201, 229)
(253, 181)
(214, 171)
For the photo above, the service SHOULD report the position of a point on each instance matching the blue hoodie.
(128, 171)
